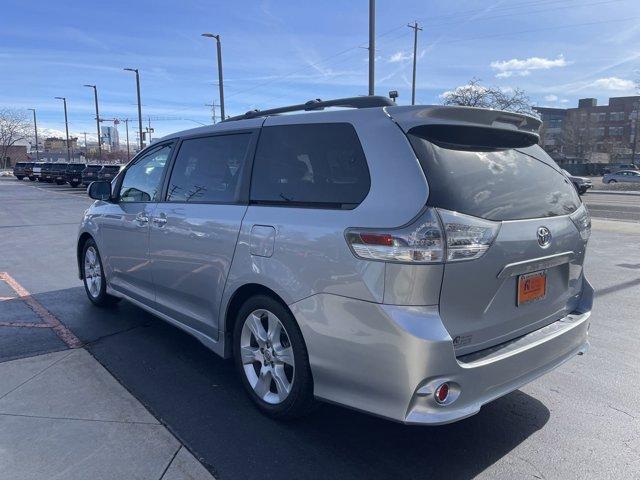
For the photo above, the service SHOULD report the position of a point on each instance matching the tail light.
(582, 220)
(420, 242)
(434, 237)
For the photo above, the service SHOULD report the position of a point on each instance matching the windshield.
(495, 184)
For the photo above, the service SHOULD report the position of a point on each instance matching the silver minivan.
(410, 262)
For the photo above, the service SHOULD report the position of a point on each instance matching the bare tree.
(474, 94)
(14, 127)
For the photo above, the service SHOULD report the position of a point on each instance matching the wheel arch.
(237, 299)
(81, 242)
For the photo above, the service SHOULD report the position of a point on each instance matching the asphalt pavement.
(580, 421)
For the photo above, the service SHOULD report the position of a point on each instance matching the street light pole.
(95, 96)
(66, 126)
(139, 102)
(372, 45)
(220, 76)
(35, 129)
(415, 28)
(126, 126)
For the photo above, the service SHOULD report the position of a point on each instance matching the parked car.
(46, 172)
(582, 184)
(615, 167)
(317, 252)
(108, 172)
(73, 174)
(626, 176)
(37, 171)
(19, 170)
(90, 174)
(58, 173)
(28, 170)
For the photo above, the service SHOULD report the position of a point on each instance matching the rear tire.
(20, 177)
(95, 283)
(59, 182)
(271, 359)
(612, 181)
(33, 179)
(73, 184)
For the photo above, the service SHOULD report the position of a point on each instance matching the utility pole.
(139, 102)
(35, 129)
(635, 135)
(213, 110)
(95, 96)
(149, 132)
(126, 126)
(415, 28)
(220, 76)
(372, 46)
(66, 126)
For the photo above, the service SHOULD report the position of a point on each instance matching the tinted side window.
(209, 169)
(141, 182)
(321, 164)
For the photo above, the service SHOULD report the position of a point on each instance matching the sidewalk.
(63, 416)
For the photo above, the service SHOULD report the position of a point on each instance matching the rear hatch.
(484, 164)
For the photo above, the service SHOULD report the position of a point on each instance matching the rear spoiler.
(468, 127)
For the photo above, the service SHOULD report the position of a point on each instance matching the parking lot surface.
(580, 421)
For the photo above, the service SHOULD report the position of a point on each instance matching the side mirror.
(99, 190)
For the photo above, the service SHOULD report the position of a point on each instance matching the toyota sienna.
(410, 262)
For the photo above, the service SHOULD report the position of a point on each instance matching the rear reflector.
(442, 393)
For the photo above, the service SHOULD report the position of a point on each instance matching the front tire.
(271, 359)
(612, 181)
(20, 177)
(32, 179)
(95, 284)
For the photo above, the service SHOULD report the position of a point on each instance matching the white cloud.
(564, 100)
(400, 56)
(614, 83)
(522, 68)
(551, 98)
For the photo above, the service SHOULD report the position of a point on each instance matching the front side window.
(142, 181)
(209, 169)
(319, 165)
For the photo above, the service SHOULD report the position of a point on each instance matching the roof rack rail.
(317, 104)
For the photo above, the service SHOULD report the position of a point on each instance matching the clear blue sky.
(288, 51)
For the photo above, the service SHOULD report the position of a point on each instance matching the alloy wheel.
(267, 356)
(92, 272)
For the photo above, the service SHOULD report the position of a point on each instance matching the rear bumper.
(388, 360)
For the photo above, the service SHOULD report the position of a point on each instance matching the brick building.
(592, 133)
(14, 154)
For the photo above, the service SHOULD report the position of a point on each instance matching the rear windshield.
(506, 184)
(93, 168)
(60, 166)
(111, 169)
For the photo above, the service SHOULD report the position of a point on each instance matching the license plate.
(532, 287)
(74, 180)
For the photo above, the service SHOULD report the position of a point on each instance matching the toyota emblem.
(544, 237)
